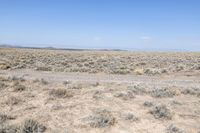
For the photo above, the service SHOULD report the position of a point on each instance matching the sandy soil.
(33, 100)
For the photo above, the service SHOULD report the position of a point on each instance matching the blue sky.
(123, 24)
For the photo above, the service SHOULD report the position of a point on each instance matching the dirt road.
(176, 80)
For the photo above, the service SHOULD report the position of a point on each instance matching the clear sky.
(124, 24)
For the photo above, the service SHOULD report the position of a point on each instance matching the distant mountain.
(53, 48)
(8, 46)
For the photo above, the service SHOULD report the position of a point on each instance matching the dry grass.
(60, 93)
(43, 68)
(31, 126)
(100, 119)
(2, 85)
(139, 63)
(173, 129)
(125, 95)
(4, 65)
(4, 118)
(163, 93)
(8, 129)
(127, 92)
(161, 112)
(148, 104)
(129, 117)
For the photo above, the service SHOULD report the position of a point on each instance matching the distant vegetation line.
(99, 49)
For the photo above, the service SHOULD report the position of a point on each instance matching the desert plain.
(66, 91)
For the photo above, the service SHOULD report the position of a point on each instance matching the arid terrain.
(60, 91)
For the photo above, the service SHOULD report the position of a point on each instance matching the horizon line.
(4, 45)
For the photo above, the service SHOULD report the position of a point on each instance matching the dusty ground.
(98, 92)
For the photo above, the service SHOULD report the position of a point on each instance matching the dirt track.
(176, 80)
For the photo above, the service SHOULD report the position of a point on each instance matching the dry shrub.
(4, 118)
(175, 102)
(120, 71)
(148, 104)
(97, 95)
(180, 68)
(152, 71)
(19, 88)
(137, 89)
(31, 126)
(100, 119)
(28, 126)
(94, 71)
(173, 129)
(141, 64)
(191, 91)
(161, 112)
(125, 95)
(75, 86)
(42, 81)
(43, 68)
(162, 93)
(4, 128)
(197, 67)
(101, 62)
(4, 66)
(60, 93)
(2, 85)
(129, 117)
